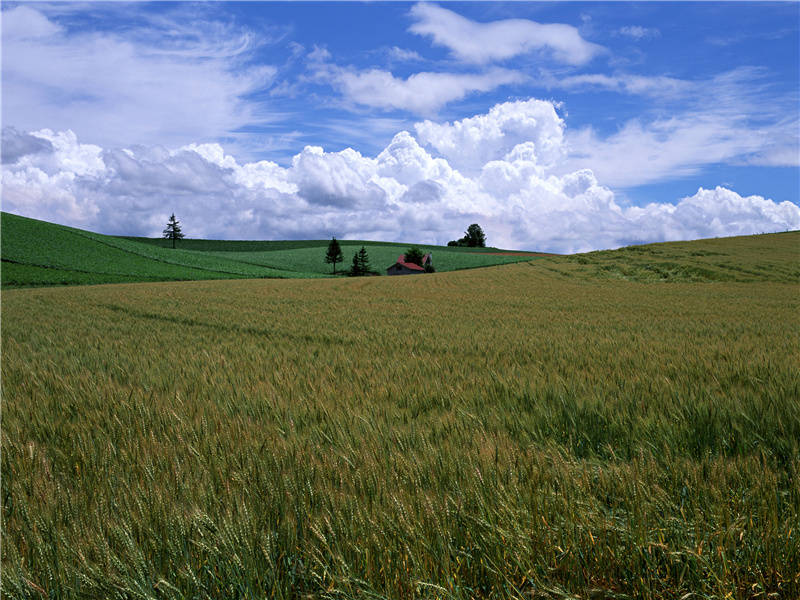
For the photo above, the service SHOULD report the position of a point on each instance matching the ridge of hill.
(750, 258)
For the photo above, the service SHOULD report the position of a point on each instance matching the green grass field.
(612, 425)
(36, 253)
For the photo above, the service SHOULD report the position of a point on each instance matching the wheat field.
(527, 431)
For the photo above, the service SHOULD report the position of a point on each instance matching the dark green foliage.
(363, 258)
(334, 254)
(414, 255)
(361, 264)
(355, 268)
(173, 230)
(473, 238)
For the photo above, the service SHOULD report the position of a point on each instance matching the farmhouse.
(401, 267)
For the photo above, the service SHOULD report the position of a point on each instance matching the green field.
(36, 253)
(617, 424)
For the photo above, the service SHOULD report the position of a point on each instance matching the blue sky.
(284, 119)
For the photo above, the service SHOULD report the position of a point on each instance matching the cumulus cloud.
(503, 169)
(472, 142)
(480, 43)
(16, 144)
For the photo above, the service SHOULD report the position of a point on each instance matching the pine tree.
(334, 254)
(355, 269)
(363, 260)
(173, 230)
(360, 264)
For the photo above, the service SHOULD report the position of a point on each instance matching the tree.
(360, 263)
(355, 268)
(414, 255)
(173, 230)
(363, 261)
(334, 253)
(474, 238)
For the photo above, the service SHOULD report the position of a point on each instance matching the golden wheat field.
(540, 430)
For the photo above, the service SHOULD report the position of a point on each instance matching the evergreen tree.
(360, 263)
(363, 260)
(334, 254)
(355, 268)
(173, 230)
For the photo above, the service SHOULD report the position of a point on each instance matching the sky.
(561, 127)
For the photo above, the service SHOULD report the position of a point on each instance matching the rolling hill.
(37, 253)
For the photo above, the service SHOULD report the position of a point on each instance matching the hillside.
(765, 257)
(544, 430)
(37, 253)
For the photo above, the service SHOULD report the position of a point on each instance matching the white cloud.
(403, 55)
(731, 118)
(25, 23)
(649, 152)
(140, 87)
(480, 43)
(17, 144)
(638, 32)
(658, 86)
(513, 183)
(470, 143)
(421, 93)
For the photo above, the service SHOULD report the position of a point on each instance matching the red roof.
(401, 260)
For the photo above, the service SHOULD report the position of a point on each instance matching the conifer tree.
(355, 268)
(360, 264)
(173, 230)
(334, 254)
(363, 261)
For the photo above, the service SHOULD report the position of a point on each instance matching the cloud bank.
(504, 169)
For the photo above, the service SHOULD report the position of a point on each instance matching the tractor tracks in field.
(234, 329)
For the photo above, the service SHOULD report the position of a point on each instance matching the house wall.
(401, 270)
